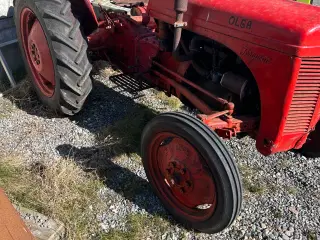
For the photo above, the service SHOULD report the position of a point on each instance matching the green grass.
(250, 183)
(61, 190)
(311, 235)
(172, 102)
(277, 213)
(6, 108)
(292, 190)
(140, 226)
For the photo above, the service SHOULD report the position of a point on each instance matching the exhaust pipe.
(180, 6)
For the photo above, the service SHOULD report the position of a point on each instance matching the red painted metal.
(37, 52)
(182, 176)
(224, 103)
(270, 40)
(227, 126)
(282, 55)
(141, 11)
(197, 102)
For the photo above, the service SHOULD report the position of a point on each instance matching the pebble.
(285, 237)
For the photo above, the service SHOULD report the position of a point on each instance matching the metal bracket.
(5, 64)
(180, 24)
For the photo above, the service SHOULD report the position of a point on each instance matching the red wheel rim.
(182, 176)
(37, 52)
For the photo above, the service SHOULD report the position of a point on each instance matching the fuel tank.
(283, 25)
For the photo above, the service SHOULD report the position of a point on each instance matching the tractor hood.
(283, 25)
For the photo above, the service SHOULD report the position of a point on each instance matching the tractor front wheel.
(55, 53)
(192, 172)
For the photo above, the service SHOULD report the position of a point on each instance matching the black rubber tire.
(68, 48)
(224, 170)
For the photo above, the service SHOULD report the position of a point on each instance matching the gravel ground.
(282, 192)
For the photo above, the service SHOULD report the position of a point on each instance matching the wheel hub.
(178, 177)
(183, 175)
(35, 56)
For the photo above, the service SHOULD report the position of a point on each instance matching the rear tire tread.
(69, 48)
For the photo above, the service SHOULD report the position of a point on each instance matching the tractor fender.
(84, 11)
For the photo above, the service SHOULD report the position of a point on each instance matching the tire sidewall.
(221, 217)
(53, 101)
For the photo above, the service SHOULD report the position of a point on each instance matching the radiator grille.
(305, 98)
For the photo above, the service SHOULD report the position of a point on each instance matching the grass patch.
(311, 235)
(124, 136)
(104, 68)
(292, 190)
(253, 187)
(277, 213)
(140, 226)
(61, 190)
(250, 183)
(24, 97)
(173, 102)
(6, 108)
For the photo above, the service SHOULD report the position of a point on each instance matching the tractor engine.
(207, 74)
(220, 63)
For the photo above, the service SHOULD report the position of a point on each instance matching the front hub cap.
(183, 176)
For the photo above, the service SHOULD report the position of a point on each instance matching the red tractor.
(250, 68)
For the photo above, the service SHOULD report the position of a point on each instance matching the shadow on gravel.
(121, 180)
(25, 98)
(117, 122)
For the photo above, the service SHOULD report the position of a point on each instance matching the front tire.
(192, 172)
(55, 53)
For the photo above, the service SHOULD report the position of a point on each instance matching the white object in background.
(5, 7)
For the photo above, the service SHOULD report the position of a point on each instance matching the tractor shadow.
(117, 122)
(120, 179)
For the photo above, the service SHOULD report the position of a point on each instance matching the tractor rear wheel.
(55, 53)
(192, 172)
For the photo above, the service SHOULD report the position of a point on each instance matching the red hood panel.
(282, 21)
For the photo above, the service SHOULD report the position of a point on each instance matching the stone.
(285, 237)
(288, 233)
(293, 210)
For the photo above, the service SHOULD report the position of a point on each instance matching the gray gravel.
(282, 192)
